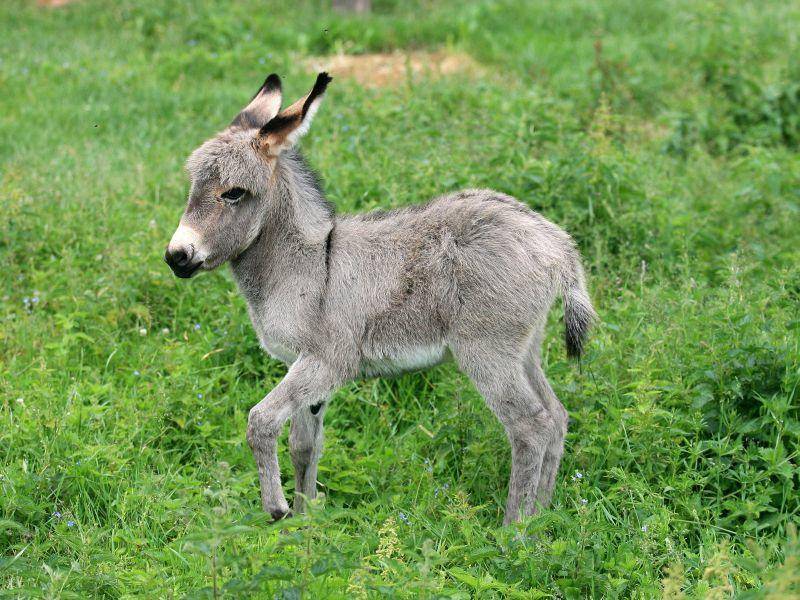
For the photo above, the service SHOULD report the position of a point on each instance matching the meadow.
(663, 135)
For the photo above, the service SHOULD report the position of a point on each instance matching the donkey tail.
(579, 314)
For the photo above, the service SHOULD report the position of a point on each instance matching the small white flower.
(21, 401)
(584, 501)
(142, 331)
(165, 331)
(644, 528)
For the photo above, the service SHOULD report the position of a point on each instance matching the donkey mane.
(309, 178)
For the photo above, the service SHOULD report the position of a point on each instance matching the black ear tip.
(323, 79)
(272, 83)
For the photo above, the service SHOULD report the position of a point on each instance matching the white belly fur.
(412, 359)
(395, 363)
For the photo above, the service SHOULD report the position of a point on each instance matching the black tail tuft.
(577, 325)
(578, 318)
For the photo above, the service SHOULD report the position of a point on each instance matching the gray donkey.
(469, 276)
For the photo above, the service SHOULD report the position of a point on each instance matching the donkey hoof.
(279, 513)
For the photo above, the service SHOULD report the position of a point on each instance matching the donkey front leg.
(305, 446)
(308, 382)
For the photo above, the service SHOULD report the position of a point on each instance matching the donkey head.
(232, 176)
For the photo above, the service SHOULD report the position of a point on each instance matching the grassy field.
(663, 135)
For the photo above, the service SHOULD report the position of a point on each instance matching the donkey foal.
(469, 275)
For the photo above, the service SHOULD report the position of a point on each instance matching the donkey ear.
(263, 107)
(292, 123)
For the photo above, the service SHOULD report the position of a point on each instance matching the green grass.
(663, 136)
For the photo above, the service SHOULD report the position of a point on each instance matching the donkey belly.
(402, 361)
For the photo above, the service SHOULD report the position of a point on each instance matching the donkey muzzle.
(181, 261)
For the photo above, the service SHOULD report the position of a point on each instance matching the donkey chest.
(278, 333)
(279, 348)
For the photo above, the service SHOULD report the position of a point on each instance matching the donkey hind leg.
(555, 448)
(500, 377)
(305, 447)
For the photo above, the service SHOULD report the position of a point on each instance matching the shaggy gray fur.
(469, 275)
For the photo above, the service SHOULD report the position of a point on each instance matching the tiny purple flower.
(197, 326)
(57, 514)
(136, 373)
(404, 518)
(644, 528)
(200, 396)
(70, 523)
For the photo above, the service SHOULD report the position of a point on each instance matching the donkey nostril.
(180, 257)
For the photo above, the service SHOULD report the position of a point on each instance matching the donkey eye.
(234, 194)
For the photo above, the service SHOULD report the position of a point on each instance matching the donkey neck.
(293, 242)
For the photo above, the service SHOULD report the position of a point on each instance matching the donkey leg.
(305, 446)
(500, 378)
(555, 449)
(307, 383)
